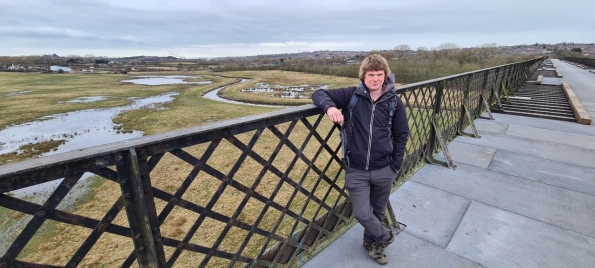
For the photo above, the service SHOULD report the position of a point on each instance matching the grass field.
(45, 95)
(25, 97)
(283, 78)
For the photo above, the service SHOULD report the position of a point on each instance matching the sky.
(218, 28)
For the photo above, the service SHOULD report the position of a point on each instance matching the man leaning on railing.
(373, 138)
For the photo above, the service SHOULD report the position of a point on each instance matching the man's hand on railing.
(335, 115)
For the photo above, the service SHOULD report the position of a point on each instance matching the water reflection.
(165, 80)
(88, 99)
(10, 94)
(81, 129)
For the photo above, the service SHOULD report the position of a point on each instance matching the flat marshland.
(26, 97)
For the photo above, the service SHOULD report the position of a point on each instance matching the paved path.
(523, 195)
(580, 79)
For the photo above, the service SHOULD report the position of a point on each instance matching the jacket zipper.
(370, 136)
(370, 131)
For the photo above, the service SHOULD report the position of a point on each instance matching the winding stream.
(213, 96)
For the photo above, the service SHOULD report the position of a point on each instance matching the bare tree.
(90, 58)
(401, 50)
(446, 49)
(403, 47)
(447, 46)
(486, 51)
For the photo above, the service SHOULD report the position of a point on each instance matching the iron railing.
(263, 190)
(585, 61)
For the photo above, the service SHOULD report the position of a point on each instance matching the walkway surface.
(523, 195)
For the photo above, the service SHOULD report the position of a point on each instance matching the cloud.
(212, 28)
(51, 32)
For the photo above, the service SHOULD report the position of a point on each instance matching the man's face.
(374, 80)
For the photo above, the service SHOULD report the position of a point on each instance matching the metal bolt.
(155, 229)
(127, 195)
(137, 236)
(3, 264)
(42, 213)
(124, 181)
(119, 157)
(140, 249)
(147, 190)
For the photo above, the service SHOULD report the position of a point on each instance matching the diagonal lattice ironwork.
(266, 190)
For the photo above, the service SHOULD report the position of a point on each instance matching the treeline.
(31, 60)
(409, 66)
(574, 53)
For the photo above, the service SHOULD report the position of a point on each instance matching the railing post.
(483, 99)
(151, 208)
(131, 185)
(504, 84)
(495, 88)
(436, 134)
(465, 112)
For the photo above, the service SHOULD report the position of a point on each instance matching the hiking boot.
(390, 240)
(368, 245)
(376, 250)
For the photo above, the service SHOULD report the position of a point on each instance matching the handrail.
(584, 61)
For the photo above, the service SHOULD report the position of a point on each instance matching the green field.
(26, 97)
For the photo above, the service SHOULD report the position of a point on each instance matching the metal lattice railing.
(256, 191)
(585, 61)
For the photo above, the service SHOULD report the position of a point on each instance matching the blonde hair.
(374, 62)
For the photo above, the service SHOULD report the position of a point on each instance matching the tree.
(486, 51)
(577, 49)
(401, 50)
(90, 58)
(446, 48)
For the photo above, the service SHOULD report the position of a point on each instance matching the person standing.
(374, 141)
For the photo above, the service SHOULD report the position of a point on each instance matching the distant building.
(56, 68)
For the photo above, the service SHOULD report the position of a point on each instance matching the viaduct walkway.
(522, 195)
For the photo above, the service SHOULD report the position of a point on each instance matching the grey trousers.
(368, 192)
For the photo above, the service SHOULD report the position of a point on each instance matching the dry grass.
(189, 109)
(283, 78)
(30, 150)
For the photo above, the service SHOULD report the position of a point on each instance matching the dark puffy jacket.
(372, 145)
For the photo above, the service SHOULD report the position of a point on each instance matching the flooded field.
(286, 92)
(214, 95)
(166, 80)
(80, 129)
(88, 99)
(84, 128)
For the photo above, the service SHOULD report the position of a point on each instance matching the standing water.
(213, 96)
(80, 129)
(165, 80)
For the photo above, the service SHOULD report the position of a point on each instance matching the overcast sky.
(205, 28)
